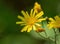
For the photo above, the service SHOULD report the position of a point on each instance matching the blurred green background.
(10, 32)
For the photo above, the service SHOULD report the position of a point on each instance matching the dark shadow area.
(19, 4)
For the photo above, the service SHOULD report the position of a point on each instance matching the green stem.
(55, 36)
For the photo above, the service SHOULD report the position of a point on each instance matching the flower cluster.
(54, 23)
(31, 20)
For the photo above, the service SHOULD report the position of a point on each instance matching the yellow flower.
(30, 20)
(37, 7)
(55, 23)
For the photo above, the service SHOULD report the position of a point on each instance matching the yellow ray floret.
(54, 23)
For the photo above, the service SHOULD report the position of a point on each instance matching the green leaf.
(49, 33)
(58, 38)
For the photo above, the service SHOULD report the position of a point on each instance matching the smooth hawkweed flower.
(54, 23)
(37, 7)
(30, 21)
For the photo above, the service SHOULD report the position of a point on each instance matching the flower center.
(31, 21)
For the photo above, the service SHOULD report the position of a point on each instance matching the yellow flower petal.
(29, 29)
(51, 19)
(39, 14)
(57, 18)
(24, 14)
(50, 26)
(36, 11)
(42, 19)
(19, 22)
(23, 24)
(34, 27)
(31, 12)
(27, 14)
(20, 17)
(37, 24)
(25, 28)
